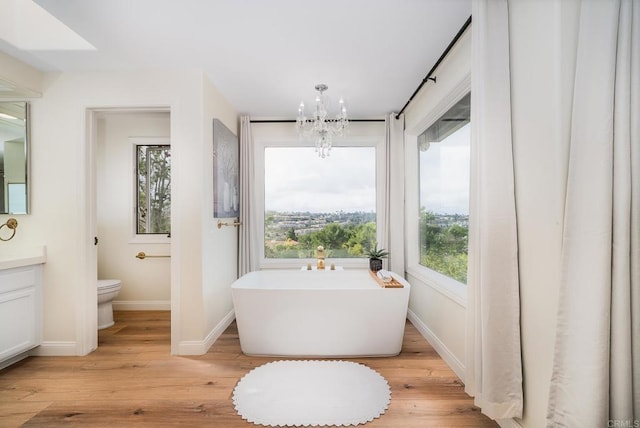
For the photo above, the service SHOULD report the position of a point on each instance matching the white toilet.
(108, 289)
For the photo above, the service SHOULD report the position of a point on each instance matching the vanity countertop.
(22, 256)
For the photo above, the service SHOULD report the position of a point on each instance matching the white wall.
(439, 313)
(25, 80)
(146, 284)
(219, 246)
(60, 204)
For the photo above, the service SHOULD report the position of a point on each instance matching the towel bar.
(141, 255)
(234, 224)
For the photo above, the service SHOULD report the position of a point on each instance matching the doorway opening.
(129, 208)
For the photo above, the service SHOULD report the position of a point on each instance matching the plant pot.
(375, 264)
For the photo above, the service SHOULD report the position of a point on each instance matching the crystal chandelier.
(319, 126)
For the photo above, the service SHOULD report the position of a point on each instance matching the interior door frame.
(87, 311)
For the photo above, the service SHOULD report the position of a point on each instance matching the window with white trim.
(444, 170)
(310, 201)
(153, 189)
(344, 191)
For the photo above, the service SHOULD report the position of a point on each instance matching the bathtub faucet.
(320, 254)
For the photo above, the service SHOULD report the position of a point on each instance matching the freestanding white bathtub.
(341, 313)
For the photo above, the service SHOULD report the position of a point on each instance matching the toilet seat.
(105, 285)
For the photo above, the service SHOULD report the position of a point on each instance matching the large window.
(153, 184)
(309, 201)
(444, 161)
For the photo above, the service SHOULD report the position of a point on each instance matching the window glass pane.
(154, 189)
(444, 158)
(311, 201)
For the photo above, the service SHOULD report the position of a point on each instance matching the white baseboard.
(15, 359)
(45, 349)
(437, 344)
(141, 305)
(55, 349)
(508, 423)
(199, 347)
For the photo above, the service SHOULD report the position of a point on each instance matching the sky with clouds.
(444, 174)
(297, 180)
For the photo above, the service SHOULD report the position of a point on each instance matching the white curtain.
(393, 216)
(596, 371)
(248, 257)
(494, 365)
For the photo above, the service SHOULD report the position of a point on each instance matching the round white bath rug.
(311, 393)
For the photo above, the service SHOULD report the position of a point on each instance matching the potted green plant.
(375, 257)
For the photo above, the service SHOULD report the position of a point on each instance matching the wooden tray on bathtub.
(393, 284)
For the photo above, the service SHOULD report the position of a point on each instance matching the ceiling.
(265, 56)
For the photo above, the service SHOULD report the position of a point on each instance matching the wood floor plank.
(138, 413)
(17, 413)
(132, 380)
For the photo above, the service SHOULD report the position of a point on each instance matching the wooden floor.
(132, 381)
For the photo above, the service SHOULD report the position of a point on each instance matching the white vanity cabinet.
(20, 311)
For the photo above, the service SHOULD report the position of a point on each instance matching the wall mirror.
(14, 149)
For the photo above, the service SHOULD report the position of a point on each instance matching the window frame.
(144, 238)
(448, 286)
(280, 136)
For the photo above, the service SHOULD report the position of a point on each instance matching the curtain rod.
(294, 121)
(442, 57)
